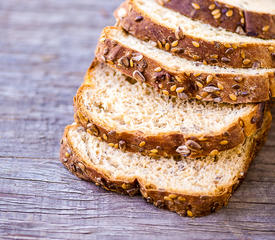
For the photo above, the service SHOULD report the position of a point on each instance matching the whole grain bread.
(172, 75)
(193, 39)
(186, 186)
(252, 18)
(132, 116)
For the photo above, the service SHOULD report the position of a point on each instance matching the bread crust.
(183, 204)
(250, 23)
(167, 144)
(236, 55)
(226, 87)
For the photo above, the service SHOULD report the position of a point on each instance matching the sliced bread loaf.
(180, 77)
(132, 116)
(188, 187)
(192, 39)
(253, 18)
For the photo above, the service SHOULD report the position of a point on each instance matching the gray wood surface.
(45, 48)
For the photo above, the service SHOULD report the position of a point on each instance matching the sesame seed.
(131, 63)
(217, 16)
(175, 43)
(188, 74)
(246, 61)
(238, 79)
(142, 144)
(116, 146)
(212, 6)
(158, 69)
(214, 152)
(178, 78)
(235, 46)
(229, 13)
(189, 213)
(214, 56)
(166, 198)
(196, 44)
(242, 54)
(167, 46)
(196, 6)
(199, 84)
(204, 62)
(160, 85)
(172, 196)
(67, 155)
(159, 44)
(165, 92)
(241, 123)
(196, 57)
(124, 186)
(105, 137)
(180, 89)
(154, 151)
(173, 88)
(233, 97)
(220, 86)
(177, 50)
(111, 144)
(179, 33)
(227, 45)
(215, 12)
(242, 20)
(224, 142)
(266, 28)
(204, 94)
(198, 97)
(181, 199)
(197, 74)
(209, 78)
(110, 62)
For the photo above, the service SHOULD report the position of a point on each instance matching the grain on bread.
(195, 40)
(254, 18)
(172, 75)
(186, 186)
(128, 113)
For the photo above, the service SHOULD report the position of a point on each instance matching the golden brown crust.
(242, 55)
(170, 143)
(183, 204)
(231, 18)
(226, 87)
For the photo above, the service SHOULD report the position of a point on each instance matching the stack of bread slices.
(177, 102)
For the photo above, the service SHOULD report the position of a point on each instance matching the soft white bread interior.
(113, 100)
(170, 61)
(173, 20)
(264, 6)
(186, 186)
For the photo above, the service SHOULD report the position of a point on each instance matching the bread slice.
(188, 187)
(134, 117)
(252, 18)
(193, 40)
(177, 76)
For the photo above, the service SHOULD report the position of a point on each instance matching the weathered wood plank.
(45, 49)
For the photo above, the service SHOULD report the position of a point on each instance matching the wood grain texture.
(45, 49)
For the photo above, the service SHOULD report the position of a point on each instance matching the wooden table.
(45, 48)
